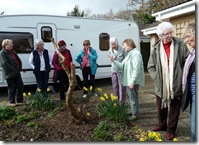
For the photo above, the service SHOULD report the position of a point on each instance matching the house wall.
(181, 22)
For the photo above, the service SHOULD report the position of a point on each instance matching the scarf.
(85, 59)
(167, 75)
(187, 65)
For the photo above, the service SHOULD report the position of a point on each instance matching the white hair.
(113, 40)
(163, 26)
(38, 41)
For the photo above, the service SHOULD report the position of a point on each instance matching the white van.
(24, 29)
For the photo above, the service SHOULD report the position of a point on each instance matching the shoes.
(12, 104)
(21, 102)
(85, 95)
(133, 118)
(169, 136)
(129, 114)
(157, 128)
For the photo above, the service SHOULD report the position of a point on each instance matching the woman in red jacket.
(59, 73)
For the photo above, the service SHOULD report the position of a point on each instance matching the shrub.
(7, 112)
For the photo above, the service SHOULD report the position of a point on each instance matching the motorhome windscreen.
(22, 42)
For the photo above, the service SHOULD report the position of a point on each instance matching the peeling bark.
(76, 113)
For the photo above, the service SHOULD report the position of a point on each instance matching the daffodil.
(24, 94)
(105, 94)
(99, 89)
(38, 90)
(115, 104)
(48, 89)
(29, 94)
(142, 139)
(88, 114)
(102, 98)
(91, 88)
(84, 88)
(175, 139)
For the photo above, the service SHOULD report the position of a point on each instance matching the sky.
(60, 7)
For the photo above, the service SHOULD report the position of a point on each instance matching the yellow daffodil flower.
(48, 89)
(175, 139)
(88, 114)
(29, 94)
(99, 89)
(24, 94)
(38, 90)
(102, 98)
(91, 88)
(84, 88)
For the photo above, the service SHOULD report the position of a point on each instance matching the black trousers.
(42, 80)
(63, 84)
(86, 71)
(172, 114)
(15, 88)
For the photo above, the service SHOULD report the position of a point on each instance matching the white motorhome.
(24, 29)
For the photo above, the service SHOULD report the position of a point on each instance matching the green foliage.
(110, 107)
(119, 137)
(76, 12)
(101, 132)
(143, 18)
(34, 124)
(7, 112)
(9, 123)
(21, 118)
(41, 100)
(26, 117)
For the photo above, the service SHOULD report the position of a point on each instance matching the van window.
(22, 42)
(46, 33)
(104, 41)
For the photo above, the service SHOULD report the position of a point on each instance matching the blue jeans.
(134, 103)
(193, 120)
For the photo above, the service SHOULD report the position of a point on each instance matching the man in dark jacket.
(11, 66)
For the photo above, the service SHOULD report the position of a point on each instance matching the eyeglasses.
(85, 44)
(167, 34)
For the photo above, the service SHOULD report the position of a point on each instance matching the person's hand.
(88, 50)
(131, 86)
(111, 57)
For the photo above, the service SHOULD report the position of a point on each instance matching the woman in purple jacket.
(189, 79)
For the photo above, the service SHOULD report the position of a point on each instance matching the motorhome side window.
(104, 41)
(22, 42)
(46, 33)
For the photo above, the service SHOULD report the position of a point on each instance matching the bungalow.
(179, 14)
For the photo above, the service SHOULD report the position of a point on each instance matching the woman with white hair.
(40, 62)
(118, 54)
(165, 66)
(11, 66)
